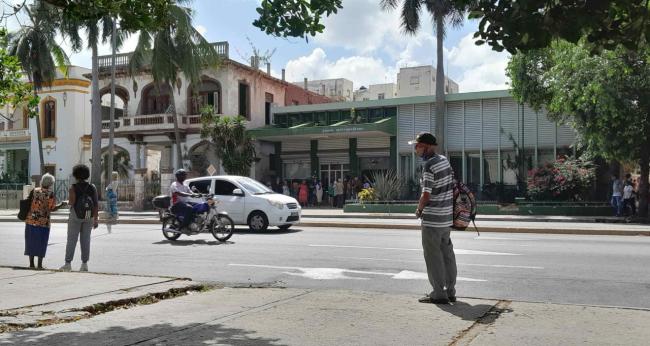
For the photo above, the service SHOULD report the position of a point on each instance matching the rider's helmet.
(181, 174)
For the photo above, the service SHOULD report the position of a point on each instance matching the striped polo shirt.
(438, 180)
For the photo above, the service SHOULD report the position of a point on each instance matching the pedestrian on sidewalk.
(285, 188)
(435, 208)
(37, 224)
(303, 194)
(617, 195)
(83, 217)
(629, 200)
(319, 193)
(111, 202)
(339, 190)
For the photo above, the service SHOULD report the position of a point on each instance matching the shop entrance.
(333, 171)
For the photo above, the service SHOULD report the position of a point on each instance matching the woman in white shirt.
(628, 198)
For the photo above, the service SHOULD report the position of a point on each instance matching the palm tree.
(174, 47)
(443, 12)
(121, 164)
(96, 32)
(39, 53)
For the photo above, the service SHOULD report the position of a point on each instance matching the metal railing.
(10, 196)
(14, 133)
(125, 190)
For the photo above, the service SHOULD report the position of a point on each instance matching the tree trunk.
(111, 133)
(96, 123)
(440, 85)
(643, 185)
(39, 138)
(177, 132)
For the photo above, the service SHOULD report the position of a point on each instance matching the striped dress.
(438, 181)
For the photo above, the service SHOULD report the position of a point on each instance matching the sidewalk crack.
(466, 336)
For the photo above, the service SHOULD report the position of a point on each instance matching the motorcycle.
(207, 219)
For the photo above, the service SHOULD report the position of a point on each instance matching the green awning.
(387, 126)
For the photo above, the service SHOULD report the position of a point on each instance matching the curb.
(412, 227)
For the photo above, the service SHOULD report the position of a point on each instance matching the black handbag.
(25, 206)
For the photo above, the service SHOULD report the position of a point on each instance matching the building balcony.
(23, 135)
(123, 59)
(153, 124)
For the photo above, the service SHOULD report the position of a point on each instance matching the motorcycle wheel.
(222, 227)
(169, 235)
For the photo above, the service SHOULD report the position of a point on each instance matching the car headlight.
(276, 204)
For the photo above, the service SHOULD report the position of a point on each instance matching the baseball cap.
(424, 137)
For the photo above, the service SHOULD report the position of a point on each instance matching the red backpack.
(464, 207)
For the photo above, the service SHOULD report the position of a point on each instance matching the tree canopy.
(13, 89)
(532, 24)
(234, 145)
(605, 96)
(294, 18)
(133, 14)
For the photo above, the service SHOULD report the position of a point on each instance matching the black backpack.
(84, 204)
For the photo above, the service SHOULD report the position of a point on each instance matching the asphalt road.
(592, 270)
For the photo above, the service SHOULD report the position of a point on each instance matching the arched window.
(49, 119)
(208, 93)
(155, 100)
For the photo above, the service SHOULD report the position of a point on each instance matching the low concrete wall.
(492, 209)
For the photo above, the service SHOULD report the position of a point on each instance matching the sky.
(361, 42)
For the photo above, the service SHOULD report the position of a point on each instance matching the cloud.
(362, 70)
(482, 68)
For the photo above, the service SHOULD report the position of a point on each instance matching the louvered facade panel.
(333, 144)
(509, 123)
(293, 146)
(545, 131)
(490, 124)
(472, 125)
(565, 136)
(422, 117)
(374, 142)
(405, 127)
(530, 127)
(454, 135)
(433, 118)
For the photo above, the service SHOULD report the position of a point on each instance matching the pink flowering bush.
(563, 180)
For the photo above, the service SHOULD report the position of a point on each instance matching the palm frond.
(411, 16)
(61, 58)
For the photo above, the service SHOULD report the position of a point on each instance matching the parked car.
(249, 202)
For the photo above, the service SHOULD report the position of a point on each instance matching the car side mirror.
(238, 192)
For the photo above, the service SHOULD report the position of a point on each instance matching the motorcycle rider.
(179, 194)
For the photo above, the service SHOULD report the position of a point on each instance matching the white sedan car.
(249, 202)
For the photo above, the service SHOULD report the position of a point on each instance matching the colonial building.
(64, 115)
(144, 126)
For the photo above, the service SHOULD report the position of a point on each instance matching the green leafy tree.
(233, 143)
(533, 24)
(39, 53)
(133, 14)
(13, 89)
(294, 18)
(121, 164)
(443, 12)
(172, 48)
(605, 97)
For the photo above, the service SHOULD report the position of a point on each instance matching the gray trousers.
(78, 229)
(440, 260)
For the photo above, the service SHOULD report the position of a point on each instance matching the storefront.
(489, 138)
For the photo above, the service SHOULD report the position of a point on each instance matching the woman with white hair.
(37, 224)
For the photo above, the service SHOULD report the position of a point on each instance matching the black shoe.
(452, 299)
(428, 300)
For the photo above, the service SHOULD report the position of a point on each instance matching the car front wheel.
(258, 221)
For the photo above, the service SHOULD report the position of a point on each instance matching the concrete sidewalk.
(288, 316)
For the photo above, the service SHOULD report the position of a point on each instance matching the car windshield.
(254, 186)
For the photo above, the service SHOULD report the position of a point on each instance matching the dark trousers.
(183, 210)
(631, 203)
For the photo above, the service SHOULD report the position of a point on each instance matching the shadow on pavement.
(467, 311)
(187, 242)
(270, 231)
(158, 334)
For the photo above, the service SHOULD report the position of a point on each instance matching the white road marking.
(340, 273)
(460, 264)
(457, 251)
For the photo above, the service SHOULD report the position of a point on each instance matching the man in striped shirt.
(436, 211)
